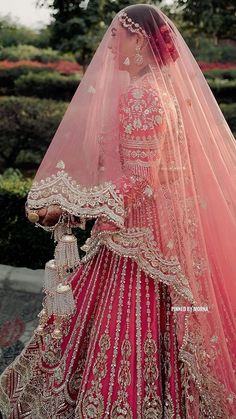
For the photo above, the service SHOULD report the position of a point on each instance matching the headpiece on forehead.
(160, 37)
(133, 27)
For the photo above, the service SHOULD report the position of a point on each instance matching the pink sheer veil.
(192, 176)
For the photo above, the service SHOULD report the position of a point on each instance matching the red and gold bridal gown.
(119, 356)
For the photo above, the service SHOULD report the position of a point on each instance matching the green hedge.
(21, 243)
(29, 52)
(223, 90)
(27, 126)
(38, 82)
(225, 74)
(9, 76)
(47, 85)
(229, 111)
(223, 84)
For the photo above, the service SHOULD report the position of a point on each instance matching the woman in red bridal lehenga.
(144, 325)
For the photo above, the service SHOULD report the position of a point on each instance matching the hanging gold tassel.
(65, 304)
(50, 276)
(67, 258)
(51, 281)
(59, 299)
(57, 332)
(66, 252)
(60, 229)
(43, 317)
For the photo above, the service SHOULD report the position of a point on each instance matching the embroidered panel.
(77, 200)
(140, 246)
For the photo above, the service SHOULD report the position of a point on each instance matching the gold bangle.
(33, 216)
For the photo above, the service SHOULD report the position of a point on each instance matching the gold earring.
(138, 58)
(126, 61)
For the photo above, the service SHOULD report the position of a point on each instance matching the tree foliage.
(80, 30)
(12, 34)
(215, 18)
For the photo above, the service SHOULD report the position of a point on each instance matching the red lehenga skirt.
(119, 358)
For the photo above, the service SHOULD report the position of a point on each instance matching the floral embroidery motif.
(140, 109)
(50, 350)
(148, 191)
(93, 402)
(60, 164)
(91, 89)
(121, 408)
(152, 405)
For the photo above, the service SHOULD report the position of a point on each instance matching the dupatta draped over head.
(150, 154)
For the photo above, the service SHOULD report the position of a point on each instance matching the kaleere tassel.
(63, 299)
(59, 300)
(57, 332)
(43, 317)
(51, 278)
(60, 229)
(66, 252)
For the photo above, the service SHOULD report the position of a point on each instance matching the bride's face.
(122, 45)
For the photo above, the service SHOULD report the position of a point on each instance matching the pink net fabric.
(153, 159)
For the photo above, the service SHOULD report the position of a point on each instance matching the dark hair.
(161, 35)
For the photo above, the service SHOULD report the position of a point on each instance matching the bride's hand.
(48, 216)
(103, 224)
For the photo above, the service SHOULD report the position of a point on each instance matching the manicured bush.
(21, 243)
(29, 52)
(225, 74)
(50, 85)
(229, 111)
(223, 90)
(9, 76)
(11, 72)
(27, 126)
(19, 240)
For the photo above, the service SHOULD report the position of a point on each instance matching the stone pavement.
(20, 302)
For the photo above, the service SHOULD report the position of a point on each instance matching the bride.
(143, 326)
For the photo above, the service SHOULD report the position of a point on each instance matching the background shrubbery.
(20, 244)
(229, 111)
(10, 76)
(50, 85)
(30, 52)
(205, 49)
(27, 126)
(41, 82)
(223, 90)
